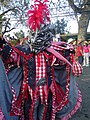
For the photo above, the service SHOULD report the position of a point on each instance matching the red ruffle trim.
(78, 104)
(1, 115)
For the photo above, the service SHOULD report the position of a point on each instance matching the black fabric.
(49, 109)
(31, 64)
(41, 82)
(49, 74)
(6, 51)
(61, 75)
(24, 48)
(27, 106)
(32, 72)
(0, 52)
(2, 41)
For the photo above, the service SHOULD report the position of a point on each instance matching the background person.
(79, 53)
(85, 55)
(89, 49)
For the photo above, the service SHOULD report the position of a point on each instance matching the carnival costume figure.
(38, 78)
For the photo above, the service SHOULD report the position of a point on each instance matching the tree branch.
(7, 11)
(74, 7)
(8, 31)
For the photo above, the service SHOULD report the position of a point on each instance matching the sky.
(72, 23)
(74, 26)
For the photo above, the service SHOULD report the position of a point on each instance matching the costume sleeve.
(76, 67)
(2, 42)
(10, 58)
(6, 51)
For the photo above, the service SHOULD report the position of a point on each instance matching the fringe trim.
(1, 115)
(78, 104)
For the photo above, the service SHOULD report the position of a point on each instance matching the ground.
(84, 85)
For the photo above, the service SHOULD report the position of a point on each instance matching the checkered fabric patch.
(40, 73)
(77, 69)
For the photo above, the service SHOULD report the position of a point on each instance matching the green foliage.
(61, 26)
(20, 34)
(5, 3)
(15, 42)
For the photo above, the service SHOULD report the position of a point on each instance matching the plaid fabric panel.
(59, 47)
(40, 73)
(40, 66)
(77, 69)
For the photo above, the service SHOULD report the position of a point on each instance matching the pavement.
(84, 85)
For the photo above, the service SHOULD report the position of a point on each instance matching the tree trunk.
(82, 27)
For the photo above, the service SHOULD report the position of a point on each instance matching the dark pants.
(80, 59)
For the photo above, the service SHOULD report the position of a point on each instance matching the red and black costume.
(44, 89)
(40, 76)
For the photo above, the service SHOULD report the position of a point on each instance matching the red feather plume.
(38, 14)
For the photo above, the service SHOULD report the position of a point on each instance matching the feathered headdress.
(38, 15)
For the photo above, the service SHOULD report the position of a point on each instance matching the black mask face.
(43, 40)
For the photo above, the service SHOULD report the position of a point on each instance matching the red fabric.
(16, 108)
(78, 50)
(22, 54)
(18, 103)
(60, 94)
